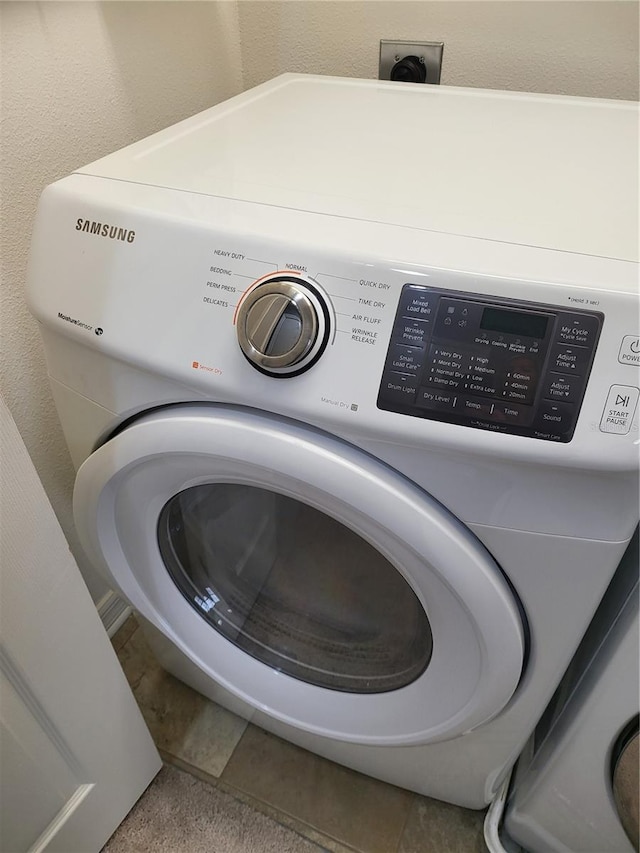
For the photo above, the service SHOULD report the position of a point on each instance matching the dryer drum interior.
(294, 588)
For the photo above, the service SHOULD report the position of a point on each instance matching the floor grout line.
(406, 822)
(290, 821)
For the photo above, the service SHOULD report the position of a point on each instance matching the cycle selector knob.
(282, 326)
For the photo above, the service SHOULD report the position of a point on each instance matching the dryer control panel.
(495, 364)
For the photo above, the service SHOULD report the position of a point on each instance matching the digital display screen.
(514, 322)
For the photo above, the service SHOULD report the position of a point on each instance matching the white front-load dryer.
(356, 435)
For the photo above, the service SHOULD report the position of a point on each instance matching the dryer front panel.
(303, 575)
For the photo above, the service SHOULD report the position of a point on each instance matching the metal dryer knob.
(282, 326)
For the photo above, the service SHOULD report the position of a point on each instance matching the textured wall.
(80, 80)
(578, 48)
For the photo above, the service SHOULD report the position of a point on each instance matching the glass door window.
(294, 588)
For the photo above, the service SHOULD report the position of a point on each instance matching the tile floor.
(336, 808)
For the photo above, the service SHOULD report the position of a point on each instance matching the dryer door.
(302, 574)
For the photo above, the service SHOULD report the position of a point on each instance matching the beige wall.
(579, 47)
(81, 79)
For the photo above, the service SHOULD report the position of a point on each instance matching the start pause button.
(619, 409)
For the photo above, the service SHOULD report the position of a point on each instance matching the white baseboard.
(113, 611)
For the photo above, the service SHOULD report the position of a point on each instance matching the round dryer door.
(302, 575)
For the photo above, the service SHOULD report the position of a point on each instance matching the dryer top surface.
(539, 170)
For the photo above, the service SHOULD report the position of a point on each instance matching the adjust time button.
(569, 359)
(567, 388)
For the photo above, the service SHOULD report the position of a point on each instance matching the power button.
(629, 350)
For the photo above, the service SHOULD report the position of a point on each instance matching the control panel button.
(398, 388)
(577, 329)
(630, 350)
(473, 407)
(440, 401)
(405, 359)
(554, 418)
(619, 409)
(417, 302)
(569, 359)
(512, 414)
(563, 387)
(413, 333)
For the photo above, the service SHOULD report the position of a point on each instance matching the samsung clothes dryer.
(578, 790)
(356, 433)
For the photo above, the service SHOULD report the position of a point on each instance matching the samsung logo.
(102, 229)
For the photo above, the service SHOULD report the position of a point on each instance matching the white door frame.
(76, 753)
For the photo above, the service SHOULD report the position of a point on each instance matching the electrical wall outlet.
(410, 61)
